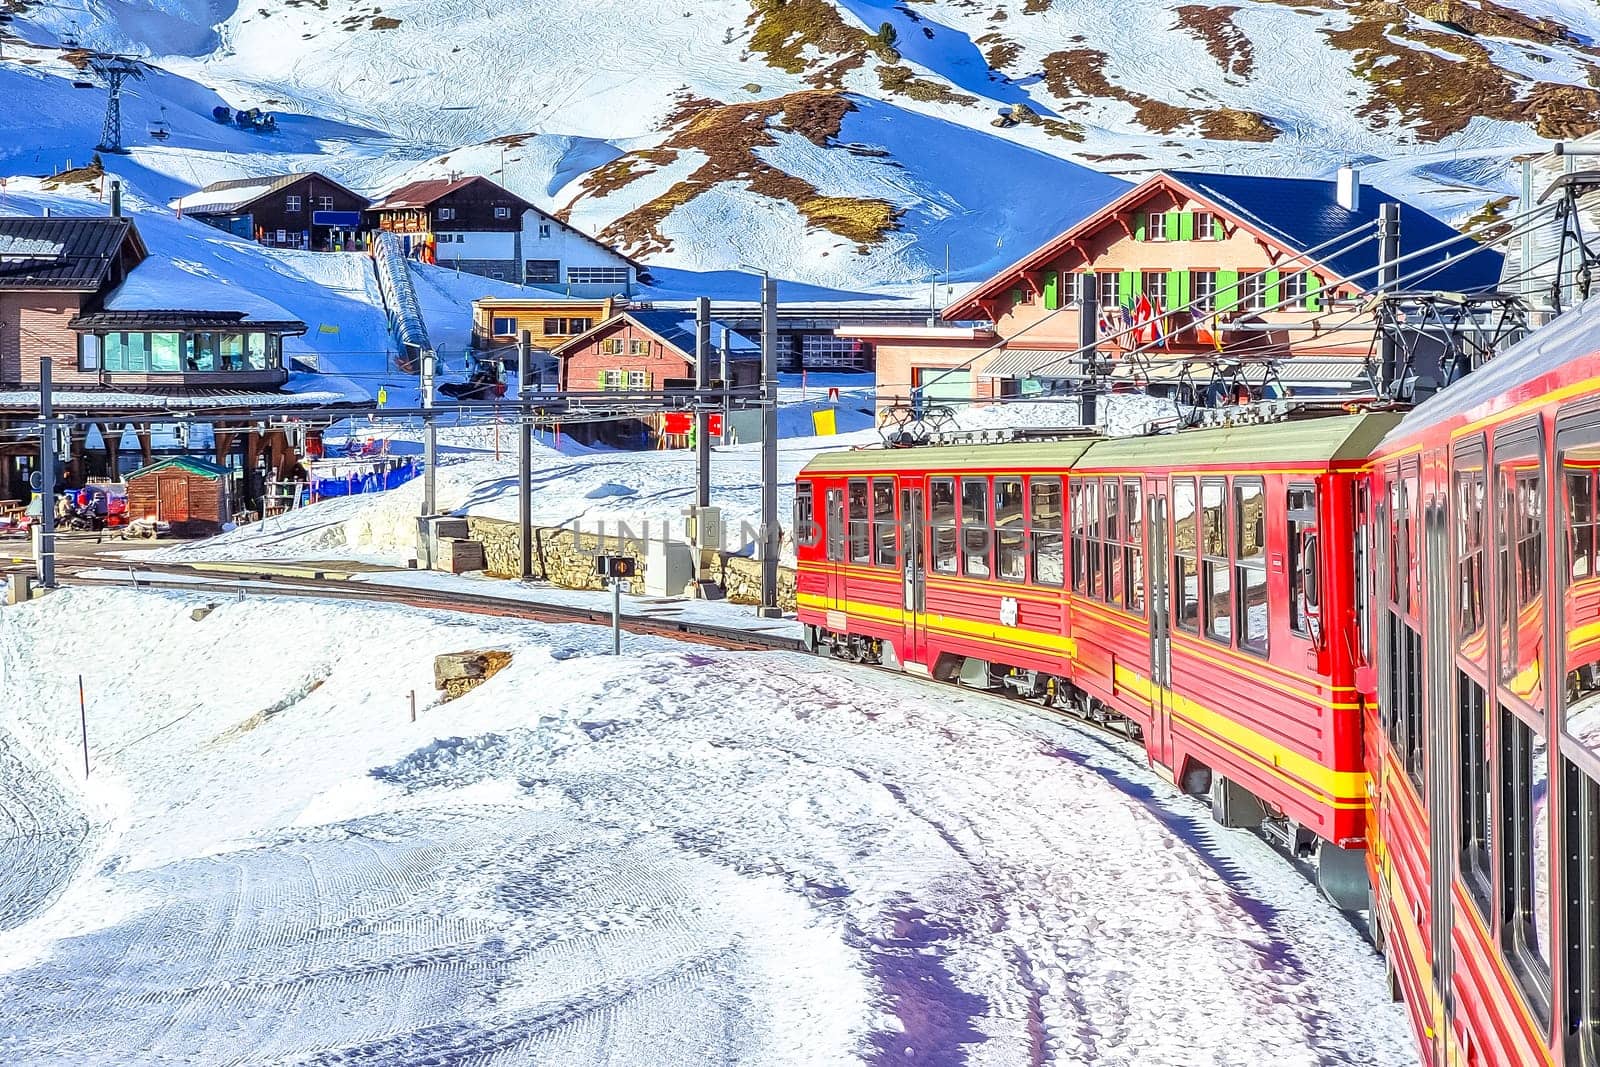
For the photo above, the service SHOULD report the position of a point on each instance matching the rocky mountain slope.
(843, 142)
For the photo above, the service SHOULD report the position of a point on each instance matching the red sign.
(677, 422)
(714, 424)
(833, 392)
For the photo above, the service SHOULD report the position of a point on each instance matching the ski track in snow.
(667, 857)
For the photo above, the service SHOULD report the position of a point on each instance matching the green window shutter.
(1186, 226)
(1313, 293)
(602, 382)
(1138, 225)
(1052, 290)
(1227, 290)
(1217, 232)
(1185, 288)
(1174, 289)
(1173, 225)
(1126, 287)
(1272, 292)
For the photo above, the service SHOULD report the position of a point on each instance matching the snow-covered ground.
(672, 857)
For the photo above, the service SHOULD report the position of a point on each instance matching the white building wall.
(544, 237)
(475, 246)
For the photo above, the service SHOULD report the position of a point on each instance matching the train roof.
(1021, 455)
(1503, 379)
(1329, 439)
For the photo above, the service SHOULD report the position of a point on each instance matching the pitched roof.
(191, 464)
(226, 197)
(676, 328)
(179, 319)
(62, 252)
(419, 195)
(1295, 214)
(1302, 213)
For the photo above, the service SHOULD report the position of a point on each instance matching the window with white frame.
(1154, 283)
(638, 380)
(291, 203)
(597, 275)
(544, 231)
(325, 203)
(446, 213)
(1252, 290)
(638, 347)
(504, 326)
(502, 212)
(1205, 226)
(613, 379)
(1292, 288)
(1203, 288)
(611, 346)
(1157, 228)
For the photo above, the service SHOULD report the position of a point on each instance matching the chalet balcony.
(180, 350)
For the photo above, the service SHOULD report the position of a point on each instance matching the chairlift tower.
(114, 70)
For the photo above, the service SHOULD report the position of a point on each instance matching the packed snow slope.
(675, 856)
(836, 142)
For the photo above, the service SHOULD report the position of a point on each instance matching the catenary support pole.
(1088, 333)
(47, 468)
(83, 721)
(524, 456)
(769, 449)
(702, 415)
(1388, 275)
(430, 437)
(722, 371)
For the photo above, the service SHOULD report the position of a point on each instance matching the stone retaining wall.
(565, 559)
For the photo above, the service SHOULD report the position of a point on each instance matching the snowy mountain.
(839, 142)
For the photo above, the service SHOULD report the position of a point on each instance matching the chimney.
(116, 199)
(1349, 193)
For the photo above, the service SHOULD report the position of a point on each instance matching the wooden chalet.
(306, 210)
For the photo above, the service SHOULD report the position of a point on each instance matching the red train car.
(1484, 743)
(1197, 587)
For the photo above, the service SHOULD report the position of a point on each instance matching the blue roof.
(677, 329)
(1303, 213)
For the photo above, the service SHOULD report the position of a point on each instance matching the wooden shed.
(190, 495)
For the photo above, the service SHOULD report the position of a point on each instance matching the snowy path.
(668, 857)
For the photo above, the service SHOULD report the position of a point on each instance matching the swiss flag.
(1143, 321)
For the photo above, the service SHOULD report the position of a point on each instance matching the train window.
(1469, 507)
(1365, 584)
(1476, 830)
(975, 532)
(1580, 470)
(1113, 541)
(1079, 565)
(1397, 555)
(942, 510)
(1044, 525)
(1579, 474)
(1525, 856)
(885, 533)
(835, 525)
(1133, 556)
(1185, 556)
(1010, 561)
(1302, 508)
(1250, 563)
(1582, 857)
(1216, 568)
(1091, 538)
(860, 523)
(805, 527)
(1404, 545)
(1520, 572)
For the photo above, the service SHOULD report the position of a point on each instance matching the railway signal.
(616, 570)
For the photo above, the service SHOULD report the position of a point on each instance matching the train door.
(1437, 559)
(836, 547)
(1159, 564)
(914, 527)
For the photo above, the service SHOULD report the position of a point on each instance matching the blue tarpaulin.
(353, 484)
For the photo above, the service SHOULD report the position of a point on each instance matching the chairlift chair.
(159, 129)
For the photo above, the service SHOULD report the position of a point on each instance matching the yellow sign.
(825, 422)
(328, 327)
(383, 395)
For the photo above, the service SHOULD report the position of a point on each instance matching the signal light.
(616, 566)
